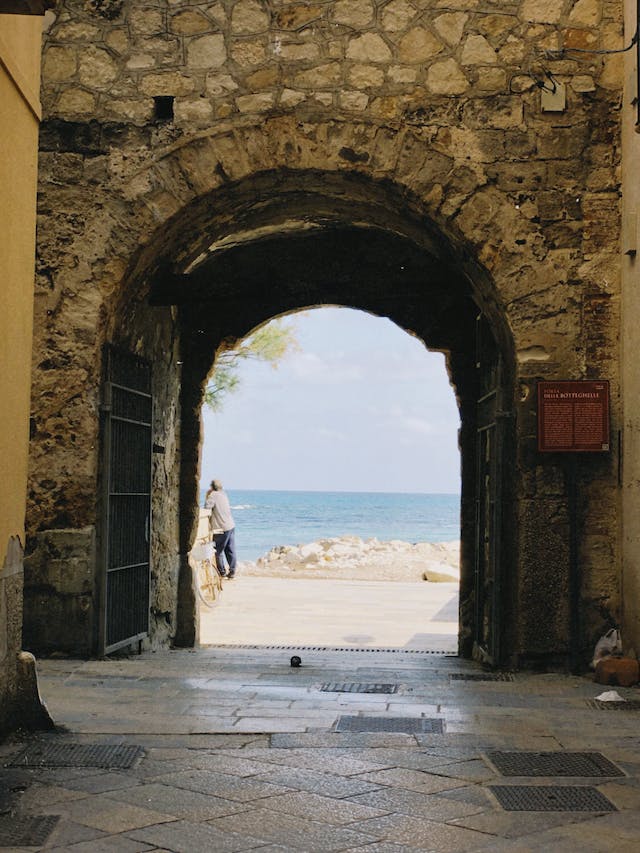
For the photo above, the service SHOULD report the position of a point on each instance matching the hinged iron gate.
(490, 448)
(126, 499)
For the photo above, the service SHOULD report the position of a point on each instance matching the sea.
(265, 519)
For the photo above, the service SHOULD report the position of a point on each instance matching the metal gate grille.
(489, 449)
(127, 440)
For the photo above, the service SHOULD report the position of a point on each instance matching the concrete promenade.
(239, 751)
(346, 613)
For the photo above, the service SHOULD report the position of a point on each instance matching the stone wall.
(175, 127)
(630, 473)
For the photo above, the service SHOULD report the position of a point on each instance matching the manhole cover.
(631, 705)
(358, 687)
(404, 725)
(26, 831)
(107, 756)
(553, 764)
(551, 798)
(481, 676)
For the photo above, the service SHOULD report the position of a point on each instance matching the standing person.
(222, 528)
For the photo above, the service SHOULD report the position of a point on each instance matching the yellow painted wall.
(20, 46)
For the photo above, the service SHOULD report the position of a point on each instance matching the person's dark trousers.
(226, 545)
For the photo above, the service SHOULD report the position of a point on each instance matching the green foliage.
(270, 344)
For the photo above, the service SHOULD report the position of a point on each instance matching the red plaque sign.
(573, 417)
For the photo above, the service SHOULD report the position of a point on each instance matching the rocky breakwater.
(349, 557)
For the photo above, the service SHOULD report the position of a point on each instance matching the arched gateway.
(161, 243)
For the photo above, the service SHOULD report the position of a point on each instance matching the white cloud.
(419, 425)
(328, 433)
(244, 436)
(332, 370)
(307, 365)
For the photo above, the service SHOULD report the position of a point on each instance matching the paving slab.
(292, 782)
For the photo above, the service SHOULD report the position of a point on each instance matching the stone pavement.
(232, 749)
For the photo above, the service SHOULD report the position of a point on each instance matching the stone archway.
(189, 227)
(388, 275)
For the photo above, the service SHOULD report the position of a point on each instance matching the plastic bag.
(610, 696)
(204, 551)
(609, 644)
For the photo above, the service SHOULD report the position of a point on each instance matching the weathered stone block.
(418, 45)
(397, 15)
(353, 13)
(248, 53)
(323, 75)
(220, 84)
(446, 78)
(402, 74)
(478, 51)
(189, 22)
(491, 80)
(249, 17)
(354, 100)
(78, 31)
(166, 83)
(76, 101)
(290, 98)
(193, 110)
(117, 40)
(365, 76)
(450, 26)
(60, 591)
(146, 21)
(583, 83)
(580, 39)
(60, 63)
(296, 17)
(97, 69)
(587, 13)
(368, 48)
(262, 79)
(299, 52)
(541, 11)
(141, 60)
(513, 51)
(494, 27)
(206, 52)
(255, 103)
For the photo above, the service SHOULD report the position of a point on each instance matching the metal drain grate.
(258, 647)
(105, 756)
(551, 798)
(553, 764)
(481, 676)
(26, 831)
(358, 687)
(631, 705)
(404, 725)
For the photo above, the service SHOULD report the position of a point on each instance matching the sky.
(362, 406)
